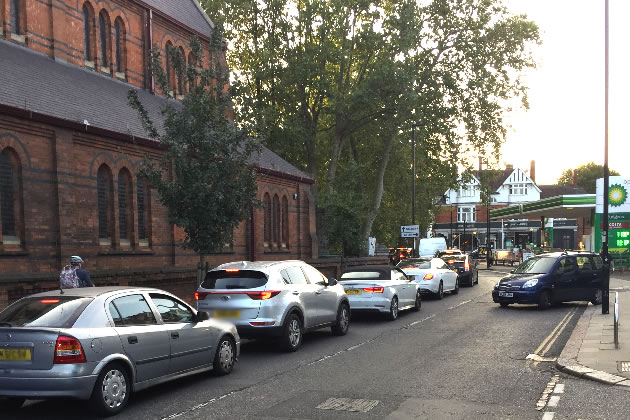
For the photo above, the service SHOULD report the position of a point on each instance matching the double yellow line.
(551, 338)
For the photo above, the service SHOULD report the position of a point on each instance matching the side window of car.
(170, 309)
(296, 275)
(598, 264)
(566, 265)
(131, 310)
(397, 275)
(313, 275)
(285, 276)
(584, 263)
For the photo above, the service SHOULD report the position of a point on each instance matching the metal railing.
(616, 320)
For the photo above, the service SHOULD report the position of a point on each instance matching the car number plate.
(15, 355)
(227, 314)
(506, 294)
(353, 291)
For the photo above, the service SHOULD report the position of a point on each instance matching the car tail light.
(466, 266)
(49, 301)
(451, 262)
(402, 255)
(264, 295)
(428, 276)
(68, 350)
(374, 289)
(231, 270)
(200, 295)
(261, 324)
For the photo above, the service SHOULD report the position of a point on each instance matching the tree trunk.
(337, 149)
(378, 191)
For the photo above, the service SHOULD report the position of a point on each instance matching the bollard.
(616, 320)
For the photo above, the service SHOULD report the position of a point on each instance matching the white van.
(429, 246)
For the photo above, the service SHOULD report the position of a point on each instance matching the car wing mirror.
(202, 316)
(332, 282)
(512, 271)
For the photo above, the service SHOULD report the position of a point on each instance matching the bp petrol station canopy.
(562, 206)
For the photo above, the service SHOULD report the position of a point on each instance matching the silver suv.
(274, 298)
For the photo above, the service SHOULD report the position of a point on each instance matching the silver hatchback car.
(279, 299)
(103, 343)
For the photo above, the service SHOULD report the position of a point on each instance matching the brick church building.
(70, 147)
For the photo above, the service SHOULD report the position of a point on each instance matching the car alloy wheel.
(393, 309)
(418, 303)
(440, 293)
(225, 356)
(343, 320)
(292, 333)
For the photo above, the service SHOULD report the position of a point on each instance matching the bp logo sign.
(617, 195)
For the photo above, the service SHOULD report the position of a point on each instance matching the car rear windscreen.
(363, 275)
(237, 279)
(51, 312)
(454, 259)
(421, 264)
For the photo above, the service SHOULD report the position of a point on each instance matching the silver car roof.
(257, 265)
(93, 292)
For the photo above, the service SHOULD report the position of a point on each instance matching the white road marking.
(553, 401)
(559, 389)
(548, 416)
(420, 321)
(460, 304)
(542, 402)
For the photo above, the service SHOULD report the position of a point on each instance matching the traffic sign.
(411, 231)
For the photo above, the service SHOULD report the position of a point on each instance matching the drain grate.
(348, 404)
(623, 366)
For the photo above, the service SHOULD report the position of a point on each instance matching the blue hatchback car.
(552, 278)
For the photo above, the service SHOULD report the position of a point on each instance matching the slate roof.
(184, 11)
(547, 191)
(495, 177)
(32, 81)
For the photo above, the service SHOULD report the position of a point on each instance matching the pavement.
(591, 352)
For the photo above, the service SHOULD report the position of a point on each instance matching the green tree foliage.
(331, 84)
(586, 175)
(204, 178)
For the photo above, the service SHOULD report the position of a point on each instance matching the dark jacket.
(84, 278)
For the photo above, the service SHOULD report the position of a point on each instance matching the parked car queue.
(104, 343)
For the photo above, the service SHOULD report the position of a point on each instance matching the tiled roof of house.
(184, 11)
(547, 191)
(32, 81)
(494, 177)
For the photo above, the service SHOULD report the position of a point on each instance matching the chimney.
(509, 166)
(532, 170)
(575, 177)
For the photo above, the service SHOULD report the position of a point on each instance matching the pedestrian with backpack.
(73, 275)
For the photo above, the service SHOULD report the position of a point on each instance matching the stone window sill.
(121, 76)
(105, 70)
(18, 38)
(89, 64)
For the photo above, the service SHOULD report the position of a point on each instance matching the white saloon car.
(432, 274)
(382, 288)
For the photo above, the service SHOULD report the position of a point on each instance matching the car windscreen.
(414, 263)
(51, 312)
(234, 279)
(536, 265)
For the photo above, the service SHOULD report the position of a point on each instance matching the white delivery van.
(429, 246)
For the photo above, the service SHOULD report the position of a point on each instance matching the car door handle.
(132, 339)
(295, 292)
(318, 292)
(174, 335)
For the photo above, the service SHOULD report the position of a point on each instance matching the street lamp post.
(605, 255)
(413, 180)
(488, 232)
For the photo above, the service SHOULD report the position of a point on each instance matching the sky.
(564, 126)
